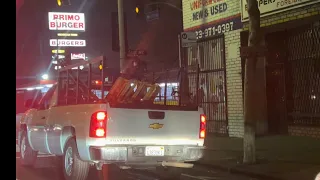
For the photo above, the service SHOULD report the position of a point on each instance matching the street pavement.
(47, 168)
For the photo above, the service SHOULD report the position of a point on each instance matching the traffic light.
(147, 11)
(63, 3)
(103, 63)
(139, 9)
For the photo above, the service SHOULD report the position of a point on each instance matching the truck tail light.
(202, 131)
(98, 125)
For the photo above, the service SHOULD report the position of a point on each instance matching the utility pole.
(121, 35)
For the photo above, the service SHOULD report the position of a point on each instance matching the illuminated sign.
(78, 56)
(59, 57)
(80, 67)
(60, 51)
(68, 42)
(59, 67)
(268, 8)
(199, 13)
(67, 34)
(66, 21)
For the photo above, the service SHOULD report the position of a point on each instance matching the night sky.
(33, 52)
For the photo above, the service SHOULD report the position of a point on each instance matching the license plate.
(154, 151)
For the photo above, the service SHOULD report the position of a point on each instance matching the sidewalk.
(278, 157)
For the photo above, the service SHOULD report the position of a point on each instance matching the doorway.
(276, 43)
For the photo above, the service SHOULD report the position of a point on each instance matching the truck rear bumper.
(135, 155)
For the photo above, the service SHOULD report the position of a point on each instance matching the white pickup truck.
(100, 133)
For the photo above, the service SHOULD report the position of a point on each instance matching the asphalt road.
(47, 168)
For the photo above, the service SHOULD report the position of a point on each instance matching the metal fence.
(207, 82)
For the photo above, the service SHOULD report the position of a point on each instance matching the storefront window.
(98, 93)
(171, 94)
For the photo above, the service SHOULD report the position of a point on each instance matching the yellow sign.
(67, 34)
(155, 126)
(60, 51)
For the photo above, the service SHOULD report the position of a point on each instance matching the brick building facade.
(204, 17)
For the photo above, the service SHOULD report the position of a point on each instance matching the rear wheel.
(73, 167)
(28, 156)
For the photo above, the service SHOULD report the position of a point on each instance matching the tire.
(73, 167)
(28, 156)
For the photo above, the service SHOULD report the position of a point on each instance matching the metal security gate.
(303, 75)
(293, 79)
(207, 82)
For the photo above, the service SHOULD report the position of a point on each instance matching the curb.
(235, 170)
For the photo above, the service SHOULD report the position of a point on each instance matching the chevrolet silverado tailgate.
(153, 127)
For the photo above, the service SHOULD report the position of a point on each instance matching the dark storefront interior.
(292, 75)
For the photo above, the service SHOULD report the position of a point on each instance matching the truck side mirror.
(30, 103)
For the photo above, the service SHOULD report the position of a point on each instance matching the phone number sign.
(219, 28)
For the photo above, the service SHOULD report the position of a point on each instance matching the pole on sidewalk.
(179, 43)
(121, 35)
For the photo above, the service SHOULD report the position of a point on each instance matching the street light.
(45, 76)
